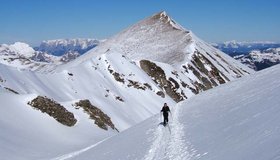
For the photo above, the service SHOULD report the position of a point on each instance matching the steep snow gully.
(154, 142)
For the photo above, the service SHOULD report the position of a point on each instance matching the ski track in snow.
(76, 153)
(169, 142)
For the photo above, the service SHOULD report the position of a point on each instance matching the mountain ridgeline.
(255, 55)
(129, 77)
(177, 61)
(156, 56)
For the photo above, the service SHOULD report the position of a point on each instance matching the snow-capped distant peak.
(59, 47)
(234, 43)
(22, 48)
(74, 42)
(259, 60)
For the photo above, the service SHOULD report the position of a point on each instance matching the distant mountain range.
(256, 55)
(61, 47)
(259, 60)
(51, 52)
(234, 48)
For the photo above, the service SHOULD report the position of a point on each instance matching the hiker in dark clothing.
(165, 109)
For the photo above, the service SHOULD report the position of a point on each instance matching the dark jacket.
(165, 110)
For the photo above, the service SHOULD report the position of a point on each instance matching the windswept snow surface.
(238, 120)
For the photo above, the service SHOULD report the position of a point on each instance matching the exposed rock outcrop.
(101, 119)
(54, 109)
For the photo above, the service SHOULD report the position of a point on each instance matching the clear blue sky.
(32, 21)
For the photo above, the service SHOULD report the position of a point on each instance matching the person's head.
(165, 104)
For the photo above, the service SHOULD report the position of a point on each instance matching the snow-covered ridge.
(112, 82)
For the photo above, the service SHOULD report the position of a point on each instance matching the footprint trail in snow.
(170, 144)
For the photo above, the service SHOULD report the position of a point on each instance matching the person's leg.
(165, 119)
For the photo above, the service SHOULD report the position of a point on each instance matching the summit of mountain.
(159, 38)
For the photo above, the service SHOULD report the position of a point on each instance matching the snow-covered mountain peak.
(22, 48)
(175, 59)
(163, 16)
(163, 13)
(157, 38)
(22, 56)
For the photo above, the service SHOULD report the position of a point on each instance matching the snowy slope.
(93, 80)
(124, 103)
(240, 123)
(28, 134)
